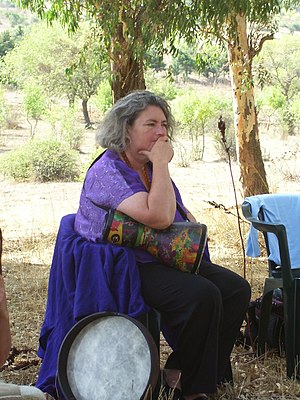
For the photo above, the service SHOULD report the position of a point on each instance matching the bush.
(71, 133)
(161, 86)
(34, 104)
(41, 161)
(103, 99)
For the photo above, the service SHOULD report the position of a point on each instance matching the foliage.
(9, 39)
(64, 125)
(211, 59)
(103, 98)
(154, 60)
(291, 21)
(163, 86)
(3, 109)
(195, 114)
(130, 28)
(184, 61)
(60, 64)
(15, 18)
(71, 133)
(34, 104)
(279, 59)
(41, 161)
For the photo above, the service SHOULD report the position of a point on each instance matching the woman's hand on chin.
(161, 152)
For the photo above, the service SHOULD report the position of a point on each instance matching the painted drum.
(179, 246)
(108, 356)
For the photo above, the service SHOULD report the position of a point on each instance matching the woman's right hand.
(161, 152)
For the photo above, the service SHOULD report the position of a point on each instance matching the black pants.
(206, 312)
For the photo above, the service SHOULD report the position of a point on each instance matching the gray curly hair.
(112, 132)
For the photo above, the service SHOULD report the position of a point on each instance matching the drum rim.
(65, 347)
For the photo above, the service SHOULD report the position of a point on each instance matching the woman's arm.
(5, 336)
(156, 208)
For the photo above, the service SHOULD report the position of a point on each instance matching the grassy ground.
(29, 219)
(26, 263)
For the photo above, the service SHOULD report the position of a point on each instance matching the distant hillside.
(12, 16)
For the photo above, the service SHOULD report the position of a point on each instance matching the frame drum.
(108, 356)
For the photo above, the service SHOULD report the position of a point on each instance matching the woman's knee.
(244, 290)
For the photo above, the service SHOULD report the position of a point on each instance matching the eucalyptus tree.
(131, 27)
(244, 26)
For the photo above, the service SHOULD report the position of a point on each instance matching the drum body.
(180, 246)
(107, 356)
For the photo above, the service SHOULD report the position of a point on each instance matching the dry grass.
(26, 284)
(29, 220)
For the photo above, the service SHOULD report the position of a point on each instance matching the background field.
(30, 215)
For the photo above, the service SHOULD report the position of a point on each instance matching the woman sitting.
(205, 310)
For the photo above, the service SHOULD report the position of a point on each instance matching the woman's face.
(150, 125)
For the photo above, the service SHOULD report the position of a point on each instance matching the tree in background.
(43, 56)
(8, 40)
(243, 27)
(195, 114)
(279, 67)
(34, 105)
(211, 59)
(184, 60)
(130, 28)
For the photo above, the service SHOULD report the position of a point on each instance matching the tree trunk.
(127, 71)
(86, 114)
(253, 175)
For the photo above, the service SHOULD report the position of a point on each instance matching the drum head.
(107, 356)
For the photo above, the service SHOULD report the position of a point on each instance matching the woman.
(205, 311)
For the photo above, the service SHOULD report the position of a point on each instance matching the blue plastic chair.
(282, 274)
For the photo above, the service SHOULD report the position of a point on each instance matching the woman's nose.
(161, 131)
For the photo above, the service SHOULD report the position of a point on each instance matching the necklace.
(147, 182)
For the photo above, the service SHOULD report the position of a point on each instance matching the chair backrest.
(281, 209)
(274, 269)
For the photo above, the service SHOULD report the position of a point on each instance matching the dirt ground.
(31, 212)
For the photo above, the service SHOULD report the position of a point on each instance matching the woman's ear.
(127, 136)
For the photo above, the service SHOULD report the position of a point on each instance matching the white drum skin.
(109, 358)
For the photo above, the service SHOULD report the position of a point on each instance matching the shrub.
(71, 133)
(197, 116)
(42, 161)
(164, 87)
(34, 105)
(103, 99)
